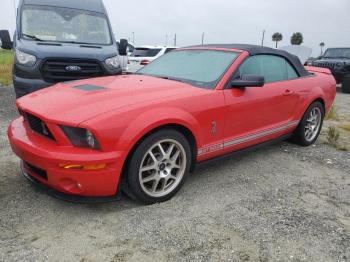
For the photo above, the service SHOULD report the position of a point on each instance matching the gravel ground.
(279, 203)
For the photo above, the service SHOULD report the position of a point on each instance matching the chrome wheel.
(162, 168)
(313, 124)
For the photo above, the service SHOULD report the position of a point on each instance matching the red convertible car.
(143, 133)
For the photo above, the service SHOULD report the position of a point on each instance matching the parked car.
(338, 61)
(143, 55)
(144, 133)
(59, 41)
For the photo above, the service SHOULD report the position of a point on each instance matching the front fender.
(155, 118)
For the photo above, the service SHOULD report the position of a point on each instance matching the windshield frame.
(99, 14)
(332, 49)
(205, 85)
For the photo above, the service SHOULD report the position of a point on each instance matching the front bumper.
(24, 86)
(67, 197)
(43, 158)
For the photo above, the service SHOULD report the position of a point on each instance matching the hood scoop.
(89, 88)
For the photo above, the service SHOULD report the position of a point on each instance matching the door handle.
(288, 92)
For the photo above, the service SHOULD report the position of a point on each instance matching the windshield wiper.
(170, 78)
(33, 37)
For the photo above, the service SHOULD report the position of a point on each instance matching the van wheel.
(310, 126)
(346, 85)
(158, 167)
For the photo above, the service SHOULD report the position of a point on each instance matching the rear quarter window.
(273, 68)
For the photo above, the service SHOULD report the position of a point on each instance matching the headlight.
(81, 137)
(24, 58)
(113, 62)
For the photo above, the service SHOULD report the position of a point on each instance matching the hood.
(75, 102)
(44, 50)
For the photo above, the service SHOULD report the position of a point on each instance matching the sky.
(222, 21)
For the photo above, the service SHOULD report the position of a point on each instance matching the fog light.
(83, 167)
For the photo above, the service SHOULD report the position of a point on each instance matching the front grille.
(329, 65)
(38, 126)
(37, 171)
(61, 70)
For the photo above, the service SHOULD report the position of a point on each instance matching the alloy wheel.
(313, 124)
(162, 168)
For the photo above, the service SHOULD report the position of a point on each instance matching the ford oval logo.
(73, 68)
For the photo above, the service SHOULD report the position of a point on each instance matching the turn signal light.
(83, 167)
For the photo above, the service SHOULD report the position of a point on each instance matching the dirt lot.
(278, 203)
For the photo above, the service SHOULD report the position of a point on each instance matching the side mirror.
(123, 47)
(249, 81)
(5, 38)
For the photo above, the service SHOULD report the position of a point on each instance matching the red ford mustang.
(143, 133)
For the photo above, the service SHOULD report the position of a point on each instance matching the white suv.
(143, 55)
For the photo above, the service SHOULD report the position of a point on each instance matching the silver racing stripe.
(237, 141)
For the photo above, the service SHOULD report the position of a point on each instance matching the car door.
(257, 114)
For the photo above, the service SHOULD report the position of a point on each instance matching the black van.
(61, 40)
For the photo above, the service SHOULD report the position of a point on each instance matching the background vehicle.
(310, 60)
(143, 55)
(338, 61)
(145, 132)
(61, 41)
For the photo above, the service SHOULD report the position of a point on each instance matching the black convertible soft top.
(262, 50)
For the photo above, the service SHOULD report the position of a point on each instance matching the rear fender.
(317, 93)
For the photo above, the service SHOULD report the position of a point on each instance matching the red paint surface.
(132, 105)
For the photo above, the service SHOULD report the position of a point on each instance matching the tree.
(277, 37)
(297, 39)
(322, 44)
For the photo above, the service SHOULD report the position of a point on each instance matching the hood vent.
(89, 87)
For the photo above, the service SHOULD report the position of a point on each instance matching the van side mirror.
(5, 38)
(123, 47)
(248, 81)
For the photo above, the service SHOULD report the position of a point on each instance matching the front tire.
(158, 167)
(346, 85)
(310, 126)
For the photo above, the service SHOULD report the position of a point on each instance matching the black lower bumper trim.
(68, 197)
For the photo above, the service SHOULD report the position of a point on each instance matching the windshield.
(201, 68)
(46, 23)
(338, 53)
(145, 52)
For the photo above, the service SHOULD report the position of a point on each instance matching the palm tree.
(322, 44)
(277, 37)
(297, 39)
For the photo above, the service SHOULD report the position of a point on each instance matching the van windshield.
(56, 24)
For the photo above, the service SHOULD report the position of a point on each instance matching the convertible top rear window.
(201, 68)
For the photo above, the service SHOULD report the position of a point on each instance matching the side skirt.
(212, 161)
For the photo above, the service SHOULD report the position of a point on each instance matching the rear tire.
(158, 167)
(346, 85)
(310, 126)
